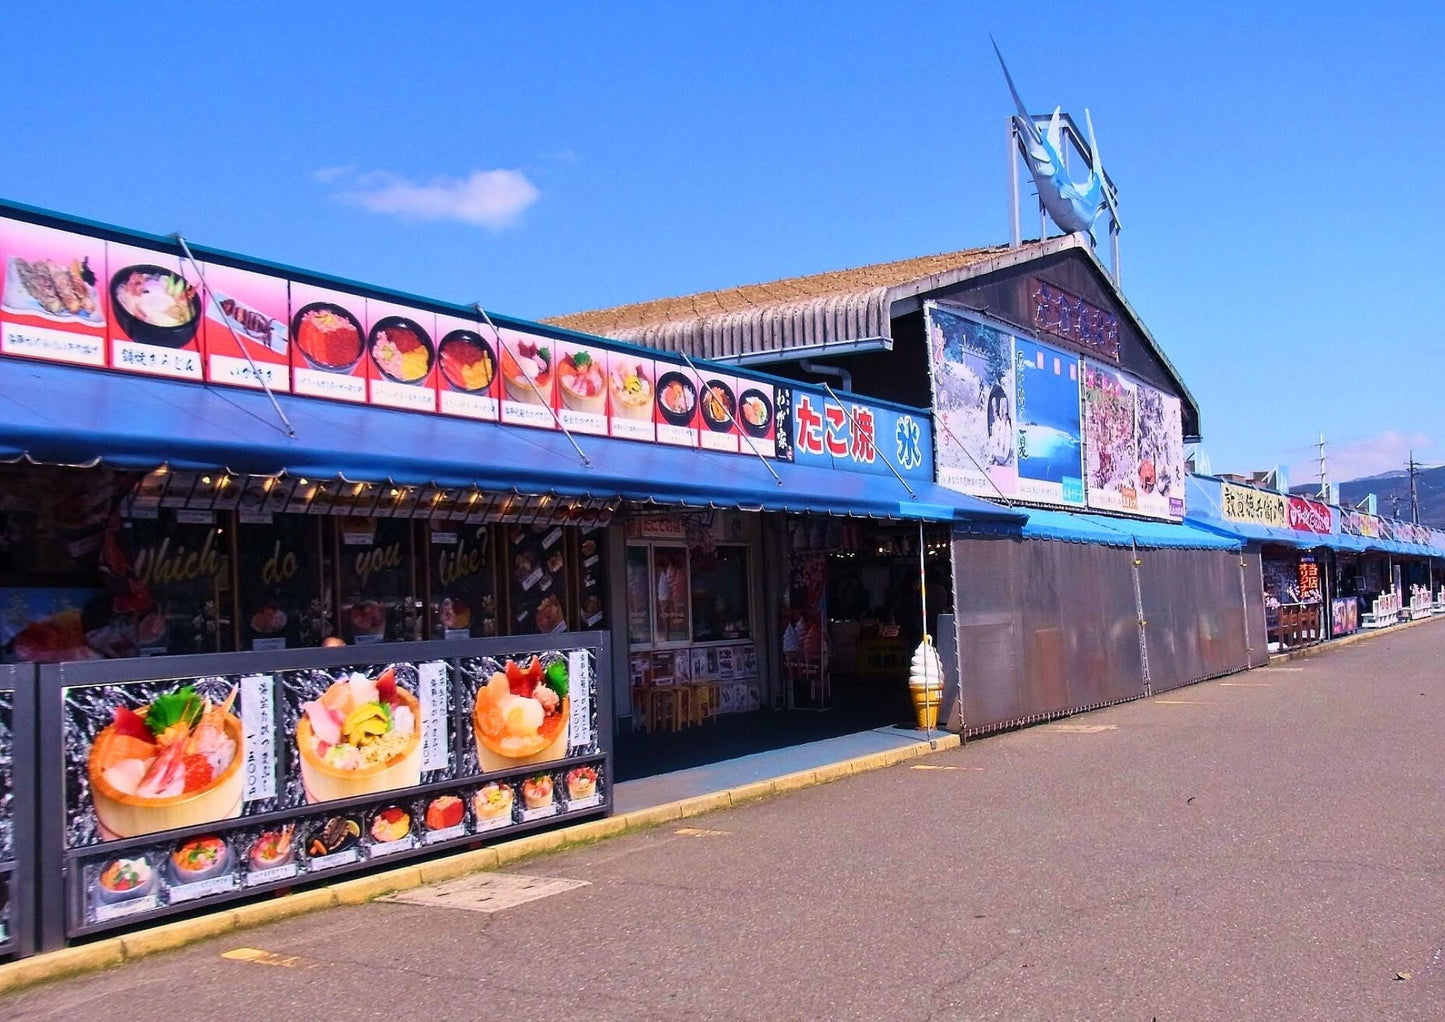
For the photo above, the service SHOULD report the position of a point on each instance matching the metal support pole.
(1143, 622)
(731, 421)
(1015, 230)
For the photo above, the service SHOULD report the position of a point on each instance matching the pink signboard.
(328, 343)
(402, 356)
(529, 378)
(467, 384)
(52, 306)
(245, 327)
(153, 308)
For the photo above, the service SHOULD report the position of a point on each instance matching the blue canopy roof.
(72, 416)
(1078, 527)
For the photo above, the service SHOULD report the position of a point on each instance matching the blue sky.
(1280, 202)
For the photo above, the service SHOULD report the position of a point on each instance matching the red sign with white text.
(1307, 515)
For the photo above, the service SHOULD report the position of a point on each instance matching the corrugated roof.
(839, 305)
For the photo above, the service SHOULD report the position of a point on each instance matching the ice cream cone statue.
(925, 683)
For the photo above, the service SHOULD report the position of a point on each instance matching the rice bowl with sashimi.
(174, 763)
(362, 735)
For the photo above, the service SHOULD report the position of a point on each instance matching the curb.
(112, 951)
(1348, 640)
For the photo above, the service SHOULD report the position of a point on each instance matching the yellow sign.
(1243, 504)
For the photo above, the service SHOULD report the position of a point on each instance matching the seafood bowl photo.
(125, 879)
(631, 390)
(361, 736)
(583, 383)
(527, 375)
(154, 305)
(676, 398)
(520, 714)
(200, 858)
(175, 763)
(328, 336)
(756, 413)
(719, 406)
(401, 350)
(467, 361)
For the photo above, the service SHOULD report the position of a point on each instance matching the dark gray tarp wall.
(1253, 583)
(1044, 628)
(1048, 627)
(1194, 615)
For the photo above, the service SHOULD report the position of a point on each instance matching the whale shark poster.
(1050, 453)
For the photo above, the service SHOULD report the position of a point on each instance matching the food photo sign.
(303, 762)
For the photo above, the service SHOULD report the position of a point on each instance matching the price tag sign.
(258, 719)
(435, 710)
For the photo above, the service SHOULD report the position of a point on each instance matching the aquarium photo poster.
(1111, 447)
(1050, 451)
(973, 400)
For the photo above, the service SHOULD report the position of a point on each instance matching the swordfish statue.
(1074, 207)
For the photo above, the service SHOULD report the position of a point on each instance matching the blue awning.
(1078, 527)
(71, 416)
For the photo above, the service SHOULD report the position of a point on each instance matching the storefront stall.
(218, 465)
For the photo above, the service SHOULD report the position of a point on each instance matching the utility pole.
(1324, 476)
(1414, 494)
(1394, 505)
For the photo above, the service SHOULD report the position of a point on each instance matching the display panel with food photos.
(528, 364)
(17, 809)
(278, 571)
(173, 575)
(289, 764)
(467, 384)
(592, 577)
(376, 580)
(537, 591)
(7, 813)
(463, 580)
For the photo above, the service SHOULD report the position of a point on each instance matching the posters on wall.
(467, 384)
(401, 347)
(973, 403)
(245, 328)
(1049, 444)
(327, 342)
(1306, 515)
(1159, 478)
(1110, 439)
(243, 770)
(154, 314)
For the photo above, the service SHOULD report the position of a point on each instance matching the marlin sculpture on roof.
(1074, 207)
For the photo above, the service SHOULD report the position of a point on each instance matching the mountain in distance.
(1392, 487)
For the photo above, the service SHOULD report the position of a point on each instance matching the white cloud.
(326, 175)
(1355, 459)
(485, 198)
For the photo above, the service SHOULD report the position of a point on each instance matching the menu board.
(374, 565)
(327, 342)
(1050, 447)
(463, 586)
(245, 328)
(582, 387)
(592, 578)
(528, 364)
(758, 417)
(1110, 439)
(718, 412)
(538, 579)
(466, 370)
(279, 576)
(178, 579)
(401, 347)
(196, 788)
(52, 305)
(153, 310)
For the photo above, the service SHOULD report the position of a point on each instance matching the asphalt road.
(1270, 846)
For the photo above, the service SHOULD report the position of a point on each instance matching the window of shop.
(676, 596)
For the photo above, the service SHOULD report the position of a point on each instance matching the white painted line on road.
(1079, 729)
(1245, 684)
(930, 766)
(1182, 702)
(487, 892)
(700, 832)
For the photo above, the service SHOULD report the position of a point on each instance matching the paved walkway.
(1269, 846)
